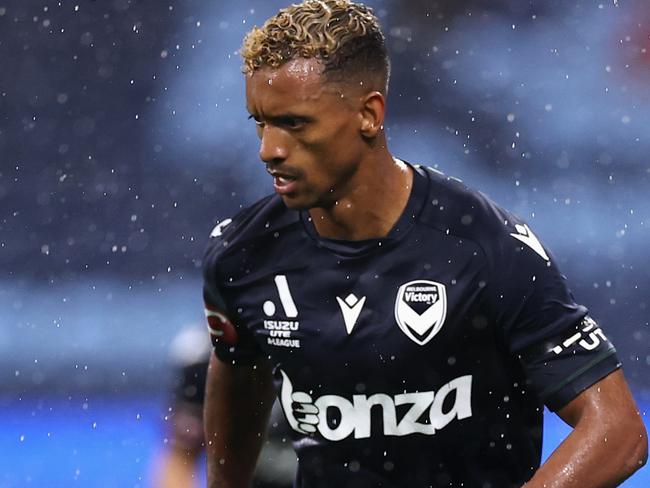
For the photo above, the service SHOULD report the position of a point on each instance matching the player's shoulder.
(254, 223)
(458, 209)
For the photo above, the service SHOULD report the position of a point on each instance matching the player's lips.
(283, 183)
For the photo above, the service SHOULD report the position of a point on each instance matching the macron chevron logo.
(218, 229)
(525, 235)
(351, 308)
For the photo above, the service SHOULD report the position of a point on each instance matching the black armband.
(563, 366)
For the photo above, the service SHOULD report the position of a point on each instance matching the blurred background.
(123, 139)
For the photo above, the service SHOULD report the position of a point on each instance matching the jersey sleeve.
(562, 350)
(232, 341)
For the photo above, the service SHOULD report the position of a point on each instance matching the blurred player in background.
(412, 329)
(180, 463)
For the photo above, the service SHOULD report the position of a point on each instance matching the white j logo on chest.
(286, 299)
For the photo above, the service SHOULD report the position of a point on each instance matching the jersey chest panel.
(331, 327)
(408, 317)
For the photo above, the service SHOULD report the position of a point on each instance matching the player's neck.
(373, 203)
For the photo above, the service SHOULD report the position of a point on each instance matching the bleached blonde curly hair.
(344, 36)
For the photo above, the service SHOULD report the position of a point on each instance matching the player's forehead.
(299, 83)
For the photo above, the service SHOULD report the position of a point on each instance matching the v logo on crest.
(421, 323)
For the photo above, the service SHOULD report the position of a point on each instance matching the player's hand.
(298, 407)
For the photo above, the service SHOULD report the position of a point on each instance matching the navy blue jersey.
(420, 359)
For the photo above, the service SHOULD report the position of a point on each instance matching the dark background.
(123, 139)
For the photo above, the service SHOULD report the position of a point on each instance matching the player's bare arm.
(238, 402)
(608, 442)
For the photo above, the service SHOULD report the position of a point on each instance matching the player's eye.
(292, 122)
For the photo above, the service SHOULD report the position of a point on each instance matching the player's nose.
(273, 147)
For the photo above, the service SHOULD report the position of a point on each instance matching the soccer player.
(411, 328)
(177, 466)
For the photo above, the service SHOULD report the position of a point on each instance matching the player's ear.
(373, 110)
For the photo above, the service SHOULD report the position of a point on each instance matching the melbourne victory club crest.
(420, 309)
